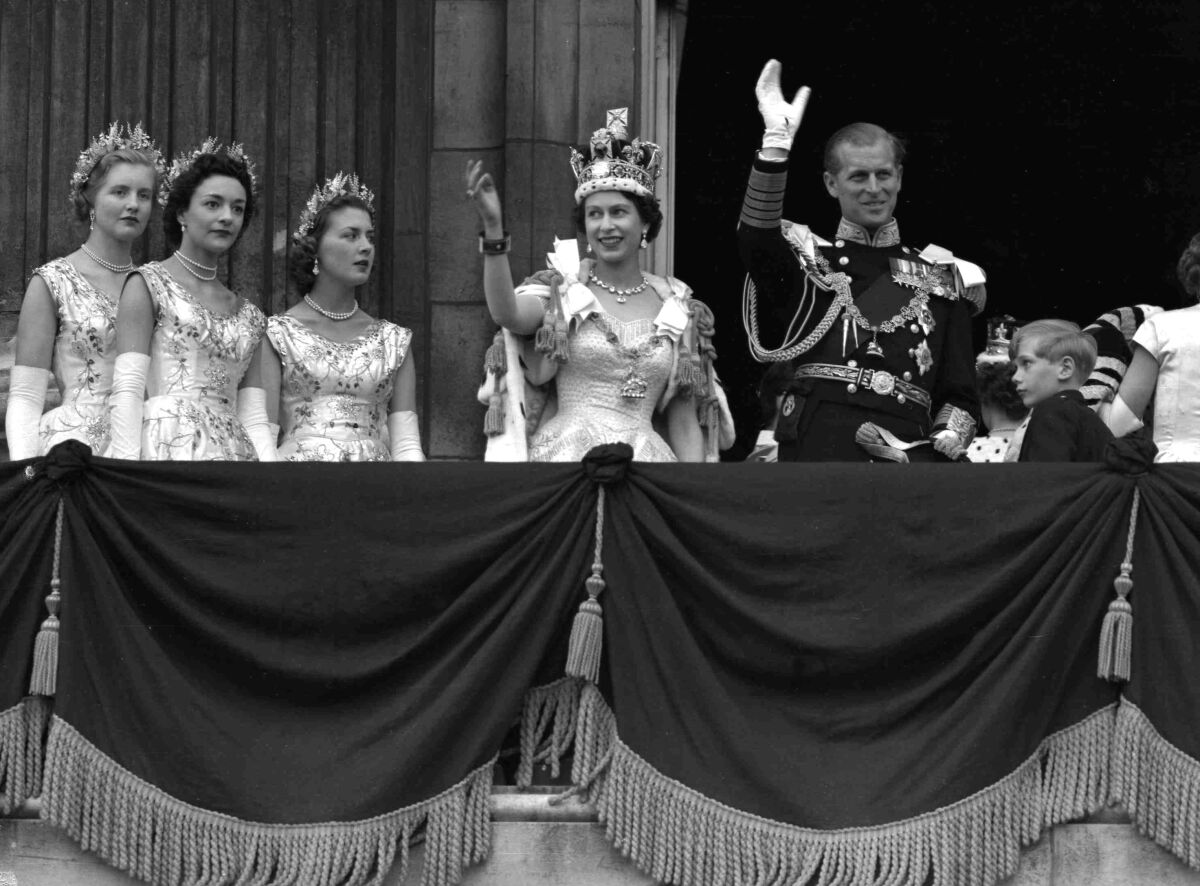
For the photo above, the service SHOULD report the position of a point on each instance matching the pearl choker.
(332, 315)
(112, 266)
(621, 294)
(195, 268)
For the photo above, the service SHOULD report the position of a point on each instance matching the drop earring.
(589, 249)
(91, 219)
(645, 242)
(316, 266)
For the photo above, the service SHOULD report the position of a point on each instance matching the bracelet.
(499, 246)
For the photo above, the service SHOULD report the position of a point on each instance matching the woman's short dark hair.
(647, 208)
(303, 255)
(204, 167)
(994, 381)
(1188, 269)
(82, 200)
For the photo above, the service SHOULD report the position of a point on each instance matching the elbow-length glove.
(252, 413)
(23, 417)
(125, 404)
(405, 434)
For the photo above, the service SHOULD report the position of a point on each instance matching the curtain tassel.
(587, 631)
(1116, 632)
(44, 678)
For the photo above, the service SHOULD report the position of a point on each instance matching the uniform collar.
(887, 235)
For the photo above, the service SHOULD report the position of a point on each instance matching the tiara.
(116, 138)
(340, 185)
(633, 169)
(185, 160)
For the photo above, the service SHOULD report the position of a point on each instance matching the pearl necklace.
(621, 294)
(332, 315)
(112, 266)
(194, 267)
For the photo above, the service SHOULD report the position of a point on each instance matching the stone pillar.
(468, 122)
(568, 62)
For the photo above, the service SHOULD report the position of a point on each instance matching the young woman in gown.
(67, 327)
(340, 383)
(184, 340)
(629, 352)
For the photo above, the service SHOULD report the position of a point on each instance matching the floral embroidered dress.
(608, 361)
(83, 358)
(336, 394)
(197, 359)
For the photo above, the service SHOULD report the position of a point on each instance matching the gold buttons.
(843, 261)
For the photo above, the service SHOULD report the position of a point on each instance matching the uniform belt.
(858, 378)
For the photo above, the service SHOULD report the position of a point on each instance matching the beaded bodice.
(84, 347)
(598, 368)
(196, 353)
(338, 391)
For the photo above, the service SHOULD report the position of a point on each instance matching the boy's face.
(1037, 378)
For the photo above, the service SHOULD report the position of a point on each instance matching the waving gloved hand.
(781, 118)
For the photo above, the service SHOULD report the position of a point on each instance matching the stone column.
(468, 122)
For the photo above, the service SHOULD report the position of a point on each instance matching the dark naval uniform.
(879, 339)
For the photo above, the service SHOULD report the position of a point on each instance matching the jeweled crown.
(210, 145)
(632, 169)
(999, 338)
(117, 137)
(340, 185)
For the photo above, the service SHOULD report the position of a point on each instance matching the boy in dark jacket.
(1053, 359)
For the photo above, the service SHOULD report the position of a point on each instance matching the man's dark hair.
(861, 135)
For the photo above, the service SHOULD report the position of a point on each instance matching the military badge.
(923, 356)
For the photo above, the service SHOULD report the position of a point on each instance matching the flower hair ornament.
(186, 160)
(341, 185)
(116, 138)
(632, 169)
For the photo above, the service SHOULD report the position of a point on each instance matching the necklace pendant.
(621, 299)
(873, 348)
(634, 387)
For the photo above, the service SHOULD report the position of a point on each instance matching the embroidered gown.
(197, 359)
(591, 407)
(335, 395)
(83, 358)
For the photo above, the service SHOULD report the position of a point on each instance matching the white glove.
(948, 444)
(1121, 420)
(252, 413)
(125, 404)
(781, 119)
(406, 436)
(23, 417)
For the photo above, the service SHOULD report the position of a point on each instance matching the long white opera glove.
(405, 433)
(781, 118)
(125, 404)
(252, 413)
(1121, 420)
(23, 417)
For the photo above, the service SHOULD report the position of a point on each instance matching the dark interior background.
(1053, 143)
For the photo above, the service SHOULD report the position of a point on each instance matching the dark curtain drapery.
(839, 672)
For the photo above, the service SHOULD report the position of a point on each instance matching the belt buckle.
(883, 383)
